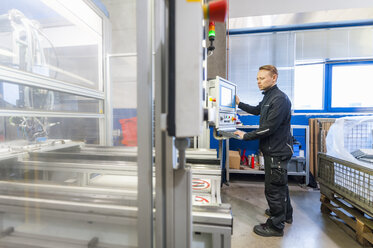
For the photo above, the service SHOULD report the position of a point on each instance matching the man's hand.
(237, 100)
(240, 133)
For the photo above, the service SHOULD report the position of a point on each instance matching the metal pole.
(108, 107)
(163, 177)
(144, 123)
(227, 160)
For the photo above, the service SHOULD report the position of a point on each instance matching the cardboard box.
(234, 160)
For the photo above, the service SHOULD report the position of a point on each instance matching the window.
(249, 52)
(308, 86)
(350, 85)
(321, 70)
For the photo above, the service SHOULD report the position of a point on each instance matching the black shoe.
(267, 231)
(289, 221)
(268, 213)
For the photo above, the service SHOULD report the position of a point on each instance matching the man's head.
(267, 77)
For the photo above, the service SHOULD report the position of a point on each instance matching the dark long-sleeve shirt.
(274, 126)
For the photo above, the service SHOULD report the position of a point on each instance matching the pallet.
(355, 222)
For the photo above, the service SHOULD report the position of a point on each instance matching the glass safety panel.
(53, 38)
(30, 130)
(58, 186)
(61, 193)
(124, 100)
(21, 97)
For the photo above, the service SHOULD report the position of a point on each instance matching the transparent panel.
(62, 194)
(123, 79)
(57, 39)
(39, 129)
(59, 188)
(124, 99)
(308, 86)
(350, 86)
(20, 97)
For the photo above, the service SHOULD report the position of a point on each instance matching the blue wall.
(252, 146)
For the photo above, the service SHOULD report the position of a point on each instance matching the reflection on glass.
(308, 86)
(351, 86)
(50, 39)
(39, 129)
(14, 96)
(226, 97)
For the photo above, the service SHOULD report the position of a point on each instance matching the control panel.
(227, 119)
(222, 99)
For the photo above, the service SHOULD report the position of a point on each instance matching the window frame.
(328, 90)
(329, 87)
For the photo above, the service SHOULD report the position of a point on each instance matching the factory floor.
(310, 229)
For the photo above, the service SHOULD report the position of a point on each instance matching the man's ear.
(275, 76)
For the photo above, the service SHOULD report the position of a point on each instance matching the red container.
(129, 131)
(252, 161)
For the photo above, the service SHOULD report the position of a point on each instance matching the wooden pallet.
(355, 222)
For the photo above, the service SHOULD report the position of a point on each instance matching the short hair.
(271, 68)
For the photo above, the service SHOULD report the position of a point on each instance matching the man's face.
(265, 79)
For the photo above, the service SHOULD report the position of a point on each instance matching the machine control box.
(222, 98)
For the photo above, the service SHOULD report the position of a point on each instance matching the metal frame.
(4, 112)
(221, 236)
(144, 124)
(173, 187)
(106, 125)
(29, 79)
(163, 231)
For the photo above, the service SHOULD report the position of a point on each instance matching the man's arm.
(276, 114)
(254, 110)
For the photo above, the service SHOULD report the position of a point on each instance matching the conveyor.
(195, 156)
(206, 178)
(204, 164)
(97, 205)
(106, 199)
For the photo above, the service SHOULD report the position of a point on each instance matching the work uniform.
(276, 144)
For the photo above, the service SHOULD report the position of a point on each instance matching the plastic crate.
(129, 131)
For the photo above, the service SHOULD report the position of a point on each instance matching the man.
(275, 142)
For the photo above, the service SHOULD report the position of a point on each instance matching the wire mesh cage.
(359, 135)
(341, 170)
(351, 138)
(351, 181)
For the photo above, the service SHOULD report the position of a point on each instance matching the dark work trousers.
(276, 191)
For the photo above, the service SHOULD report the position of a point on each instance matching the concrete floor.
(310, 229)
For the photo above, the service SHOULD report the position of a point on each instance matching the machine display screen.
(226, 97)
